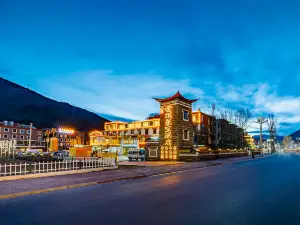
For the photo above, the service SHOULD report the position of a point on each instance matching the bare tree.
(242, 117)
(286, 142)
(223, 114)
(230, 116)
(272, 123)
(226, 114)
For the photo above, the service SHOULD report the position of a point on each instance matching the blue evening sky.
(113, 56)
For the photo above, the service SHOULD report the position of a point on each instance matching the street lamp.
(29, 147)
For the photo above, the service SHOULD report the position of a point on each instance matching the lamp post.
(261, 121)
(29, 147)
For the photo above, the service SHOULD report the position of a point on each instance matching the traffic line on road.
(40, 191)
(34, 192)
(181, 171)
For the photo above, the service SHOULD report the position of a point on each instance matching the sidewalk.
(39, 185)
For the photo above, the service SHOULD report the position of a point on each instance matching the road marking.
(40, 191)
(33, 192)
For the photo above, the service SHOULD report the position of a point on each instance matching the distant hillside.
(22, 105)
(265, 137)
(295, 135)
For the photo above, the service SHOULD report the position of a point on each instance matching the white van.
(136, 154)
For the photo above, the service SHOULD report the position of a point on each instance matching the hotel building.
(10, 130)
(250, 143)
(64, 138)
(123, 136)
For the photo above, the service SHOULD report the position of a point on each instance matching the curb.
(21, 194)
(53, 174)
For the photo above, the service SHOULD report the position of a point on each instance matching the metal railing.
(46, 167)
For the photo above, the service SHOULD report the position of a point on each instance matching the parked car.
(63, 153)
(34, 151)
(136, 154)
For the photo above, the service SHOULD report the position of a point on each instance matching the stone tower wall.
(172, 126)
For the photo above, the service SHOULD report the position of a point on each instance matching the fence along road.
(44, 167)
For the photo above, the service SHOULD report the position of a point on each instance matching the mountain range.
(22, 105)
(295, 135)
(266, 136)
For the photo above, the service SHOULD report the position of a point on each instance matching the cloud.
(114, 118)
(128, 96)
(262, 99)
(5, 71)
(233, 93)
(266, 100)
(285, 124)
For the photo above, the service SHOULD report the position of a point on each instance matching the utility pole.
(261, 120)
(48, 139)
(29, 147)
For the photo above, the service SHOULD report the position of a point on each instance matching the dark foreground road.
(265, 191)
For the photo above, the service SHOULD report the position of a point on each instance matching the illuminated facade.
(250, 143)
(10, 130)
(176, 126)
(203, 129)
(66, 137)
(124, 136)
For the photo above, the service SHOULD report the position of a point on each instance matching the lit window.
(185, 115)
(186, 135)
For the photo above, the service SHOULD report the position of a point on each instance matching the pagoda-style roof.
(177, 95)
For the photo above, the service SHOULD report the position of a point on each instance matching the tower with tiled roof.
(176, 127)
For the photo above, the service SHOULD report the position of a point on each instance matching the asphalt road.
(264, 191)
